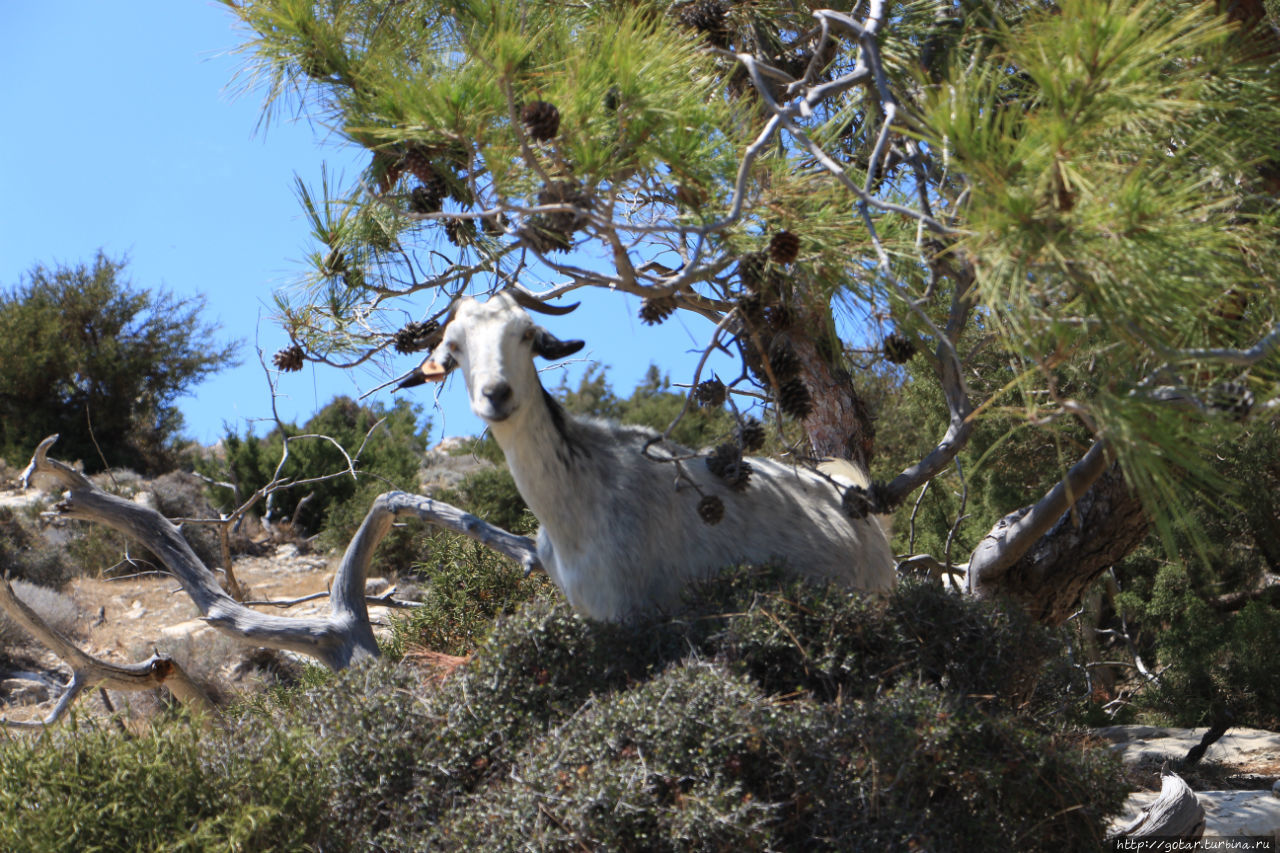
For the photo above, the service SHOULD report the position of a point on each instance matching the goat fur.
(619, 536)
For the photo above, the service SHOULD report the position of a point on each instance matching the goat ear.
(429, 371)
(549, 346)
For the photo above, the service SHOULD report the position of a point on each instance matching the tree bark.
(1176, 813)
(839, 426)
(1049, 579)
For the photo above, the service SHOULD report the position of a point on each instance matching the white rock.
(1154, 744)
(191, 629)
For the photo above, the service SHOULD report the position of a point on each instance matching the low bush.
(27, 555)
(86, 788)
(392, 452)
(770, 716)
(466, 586)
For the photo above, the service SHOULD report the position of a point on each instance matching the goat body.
(619, 535)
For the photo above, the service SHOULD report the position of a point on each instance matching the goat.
(616, 535)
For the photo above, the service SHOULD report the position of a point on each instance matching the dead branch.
(345, 636)
(1176, 813)
(88, 672)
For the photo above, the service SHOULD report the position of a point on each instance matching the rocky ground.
(1237, 782)
(125, 619)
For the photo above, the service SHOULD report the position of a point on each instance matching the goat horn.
(526, 301)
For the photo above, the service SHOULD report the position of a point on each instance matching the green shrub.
(77, 788)
(769, 716)
(491, 493)
(101, 364)
(56, 609)
(25, 554)
(389, 460)
(923, 727)
(1205, 618)
(466, 587)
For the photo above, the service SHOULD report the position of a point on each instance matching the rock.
(1141, 744)
(1253, 813)
(376, 586)
(444, 466)
(22, 691)
(287, 551)
(191, 629)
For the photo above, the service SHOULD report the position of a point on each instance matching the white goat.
(617, 535)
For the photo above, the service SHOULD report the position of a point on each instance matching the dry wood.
(338, 640)
(88, 672)
(1176, 813)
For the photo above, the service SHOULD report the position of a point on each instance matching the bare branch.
(1016, 533)
(88, 672)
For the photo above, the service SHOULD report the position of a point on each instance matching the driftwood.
(88, 672)
(1176, 813)
(338, 640)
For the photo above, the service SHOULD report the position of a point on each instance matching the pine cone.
(461, 232)
(856, 502)
(538, 235)
(418, 162)
(751, 269)
(778, 317)
(751, 434)
(708, 17)
(726, 462)
(494, 226)
(335, 263)
(541, 120)
(386, 170)
(423, 200)
(898, 348)
(711, 509)
(751, 358)
(1233, 398)
(794, 399)
(566, 192)
(415, 337)
(710, 393)
(751, 308)
(783, 360)
(550, 232)
(289, 359)
(784, 247)
(657, 309)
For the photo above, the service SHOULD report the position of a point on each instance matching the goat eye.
(528, 335)
(453, 346)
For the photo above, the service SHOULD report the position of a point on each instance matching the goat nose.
(498, 392)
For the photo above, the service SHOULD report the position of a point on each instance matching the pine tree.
(1080, 194)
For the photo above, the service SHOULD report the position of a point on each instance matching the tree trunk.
(839, 425)
(1104, 525)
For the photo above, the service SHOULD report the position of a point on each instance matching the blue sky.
(123, 131)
